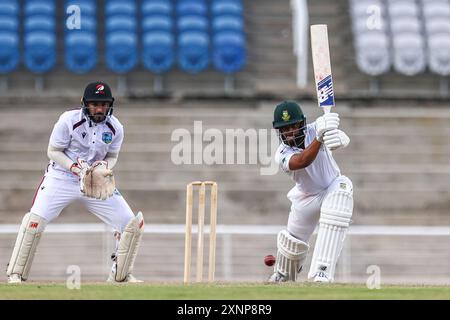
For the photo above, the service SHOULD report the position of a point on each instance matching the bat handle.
(326, 109)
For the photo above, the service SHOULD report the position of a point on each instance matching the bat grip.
(326, 109)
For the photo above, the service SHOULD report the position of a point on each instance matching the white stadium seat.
(433, 9)
(406, 8)
(406, 24)
(437, 26)
(372, 53)
(439, 54)
(409, 54)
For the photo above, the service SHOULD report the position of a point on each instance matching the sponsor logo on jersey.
(342, 185)
(285, 116)
(107, 137)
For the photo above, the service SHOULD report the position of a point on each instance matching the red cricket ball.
(269, 260)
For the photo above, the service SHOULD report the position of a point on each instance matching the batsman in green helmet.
(321, 195)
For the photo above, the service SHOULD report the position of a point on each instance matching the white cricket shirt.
(318, 175)
(84, 139)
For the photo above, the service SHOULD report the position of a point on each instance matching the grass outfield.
(226, 291)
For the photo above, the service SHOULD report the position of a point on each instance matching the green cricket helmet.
(289, 113)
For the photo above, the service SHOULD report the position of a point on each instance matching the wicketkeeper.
(320, 195)
(83, 149)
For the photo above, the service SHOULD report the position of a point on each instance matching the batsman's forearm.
(111, 158)
(58, 155)
(304, 159)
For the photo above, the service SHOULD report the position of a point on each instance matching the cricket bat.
(322, 66)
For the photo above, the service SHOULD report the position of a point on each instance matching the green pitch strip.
(241, 291)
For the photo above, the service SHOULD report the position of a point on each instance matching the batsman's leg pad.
(291, 255)
(335, 217)
(26, 243)
(128, 247)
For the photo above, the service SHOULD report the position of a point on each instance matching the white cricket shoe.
(278, 277)
(14, 278)
(321, 277)
(129, 279)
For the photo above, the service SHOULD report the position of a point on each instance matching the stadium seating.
(121, 35)
(228, 36)
(437, 26)
(193, 43)
(39, 41)
(417, 36)
(81, 43)
(408, 42)
(193, 51)
(9, 37)
(9, 23)
(191, 33)
(158, 40)
(157, 7)
(371, 37)
(220, 7)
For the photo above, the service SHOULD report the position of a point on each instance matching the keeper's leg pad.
(291, 255)
(128, 247)
(26, 243)
(335, 217)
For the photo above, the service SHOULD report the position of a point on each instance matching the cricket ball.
(269, 260)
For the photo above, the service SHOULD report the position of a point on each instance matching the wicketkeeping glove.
(98, 181)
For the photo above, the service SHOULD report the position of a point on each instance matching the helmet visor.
(293, 135)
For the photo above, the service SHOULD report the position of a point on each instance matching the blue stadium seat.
(230, 7)
(150, 7)
(9, 23)
(121, 51)
(198, 7)
(81, 51)
(80, 54)
(39, 35)
(157, 23)
(158, 51)
(9, 52)
(121, 35)
(87, 7)
(118, 7)
(193, 51)
(88, 24)
(9, 8)
(39, 7)
(121, 23)
(39, 23)
(40, 51)
(227, 23)
(192, 23)
(229, 54)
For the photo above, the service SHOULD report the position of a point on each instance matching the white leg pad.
(335, 218)
(128, 247)
(26, 243)
(291, 255)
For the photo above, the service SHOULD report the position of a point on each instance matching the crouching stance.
(83, 149)
(321, 195)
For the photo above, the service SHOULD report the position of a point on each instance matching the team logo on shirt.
(285, 116)
(107, 137)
